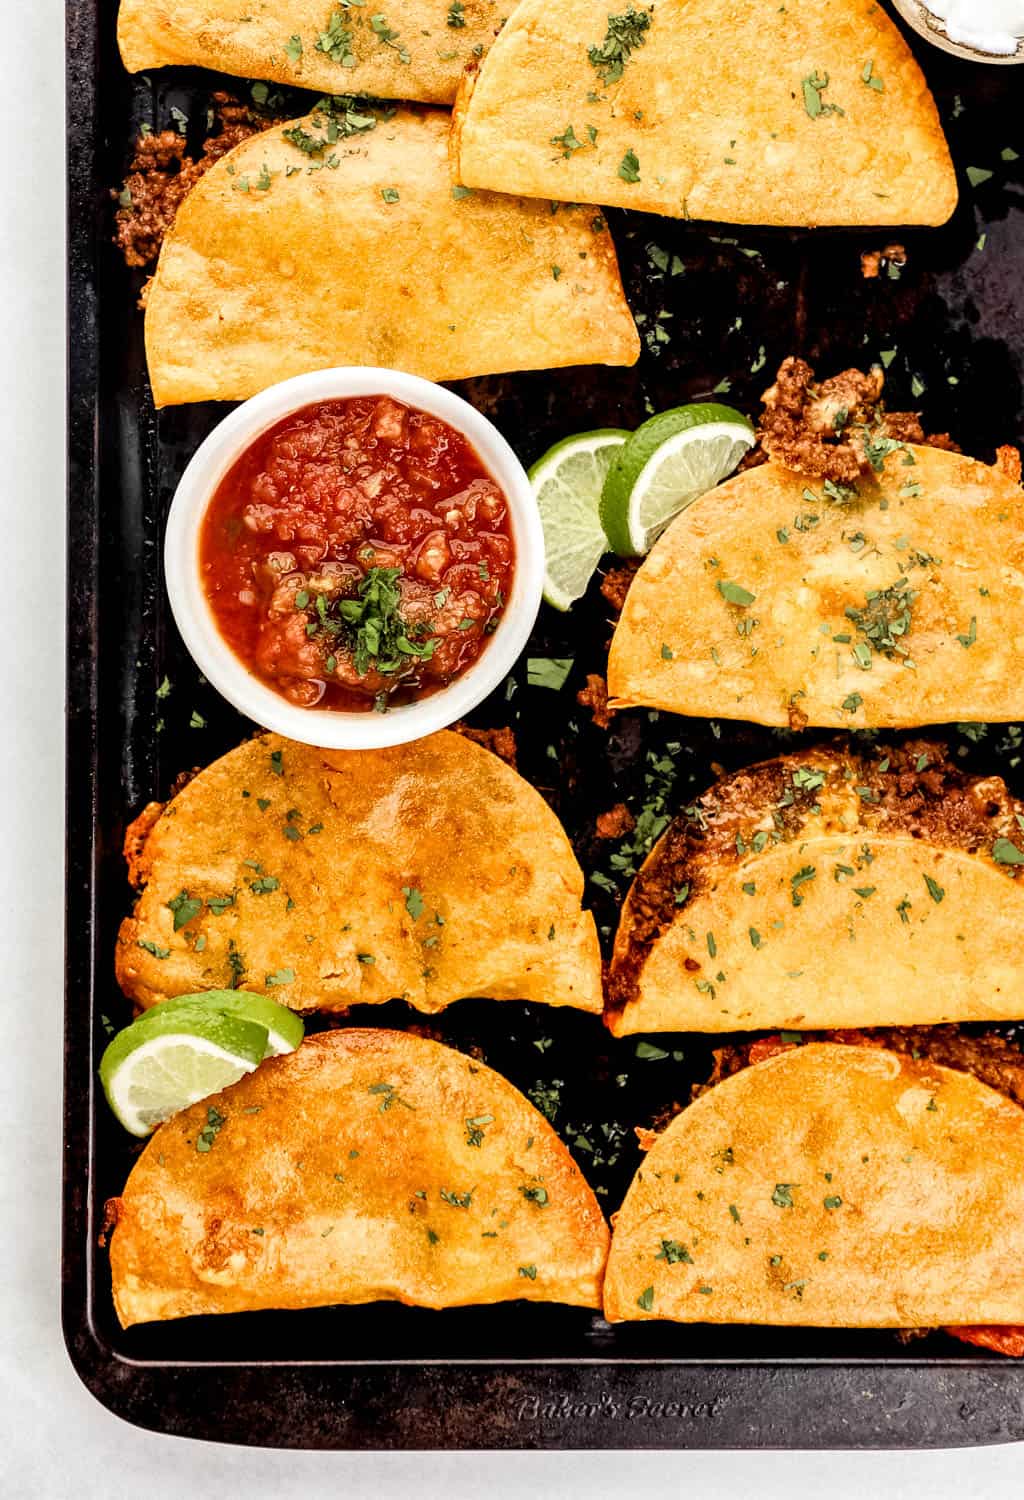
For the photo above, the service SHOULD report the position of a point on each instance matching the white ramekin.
(331, 728)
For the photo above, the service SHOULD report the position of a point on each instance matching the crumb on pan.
(615, 583)
(616, 822)
(891, 259)
(595, 697)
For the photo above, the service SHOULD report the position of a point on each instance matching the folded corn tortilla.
(779, 599)
(306, 247)
(329, 878)
(414, 49)
(832, 1186)
(801, 114)
(828, 889)
(366, 1166)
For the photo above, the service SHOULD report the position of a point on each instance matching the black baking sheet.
(718, 309)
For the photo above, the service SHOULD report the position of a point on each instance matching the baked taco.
(894, 599)
(429, 871)
(343, 239)
(831, 1186)
(416, 50)
(367, 1165)
(801, 114)
(828, 888)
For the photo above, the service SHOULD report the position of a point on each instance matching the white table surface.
(55, 1440)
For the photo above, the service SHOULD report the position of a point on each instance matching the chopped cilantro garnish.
(387, 37)
(814, 85)
(151, 947)
(735, 593)
(801, 877)
(1005, 852)
(474, 1128)
(215, 1122)
(972, 633)
(870, 77)
(336, 41)
(648, 1052)
(629, 167)
(568, 142)
(673, 1252)
(457, 1200)
(548, 671)
(184, 907)
(388, 1098)
(884, 620)
(625, 33)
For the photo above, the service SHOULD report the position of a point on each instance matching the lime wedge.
(567, 482)
(667, 464)
(284, 1028)
(165, 1062)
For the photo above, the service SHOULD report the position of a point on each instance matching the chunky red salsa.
(357, 555)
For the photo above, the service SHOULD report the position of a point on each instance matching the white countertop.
(55, 1440)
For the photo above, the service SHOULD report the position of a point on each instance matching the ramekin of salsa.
(354, 557)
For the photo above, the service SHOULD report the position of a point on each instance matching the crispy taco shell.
(330, 878)
(897, 603)
(367, 1165)
(429, 44)
(365, 251)
(831, 1186)
(801, 114)
(828, 889)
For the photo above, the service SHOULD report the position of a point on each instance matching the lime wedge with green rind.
(567, 482)
(284, 1028)
(165, 1062)
(669, 462)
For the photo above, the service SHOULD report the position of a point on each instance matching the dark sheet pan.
(951, 330)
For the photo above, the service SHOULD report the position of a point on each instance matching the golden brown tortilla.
(368, 1165)
(330, 878)
(741, 610)
(416, 50)
(801, 114)
(828, 889)
(364, 250)
(832, 1186)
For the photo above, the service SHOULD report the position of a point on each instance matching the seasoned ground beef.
(595, 697)
(820, 428)
(990, 1057)
(161, 175)
(616, 822)
(501, 742)
(615, 583)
